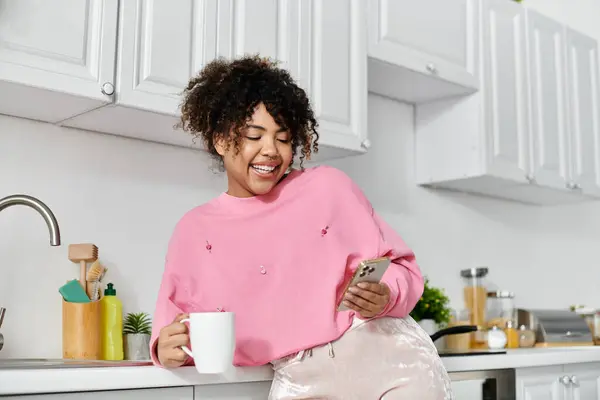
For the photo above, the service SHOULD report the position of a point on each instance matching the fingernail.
(362, 285)
(346, 303)
(353, 289)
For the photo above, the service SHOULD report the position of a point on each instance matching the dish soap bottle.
(112, 325)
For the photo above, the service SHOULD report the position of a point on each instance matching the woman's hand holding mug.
(170, 340)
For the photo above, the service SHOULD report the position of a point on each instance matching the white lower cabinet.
(562, 382)
(172, 393)
(225, 391)
(233, 391)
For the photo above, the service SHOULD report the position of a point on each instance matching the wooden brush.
(83, 253)
(94, 275)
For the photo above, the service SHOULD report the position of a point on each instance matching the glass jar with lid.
(501, 309)
(475, 293)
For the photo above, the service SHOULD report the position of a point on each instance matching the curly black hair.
(220, 100)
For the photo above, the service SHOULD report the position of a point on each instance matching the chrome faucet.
(46, 213)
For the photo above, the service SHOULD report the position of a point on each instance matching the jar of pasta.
(475, 297)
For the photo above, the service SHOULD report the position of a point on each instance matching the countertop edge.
(62, 380)
(523, 358)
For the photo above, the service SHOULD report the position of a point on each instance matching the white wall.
(126, 195)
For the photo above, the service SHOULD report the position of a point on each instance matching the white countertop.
(523, 358)
(54, 380)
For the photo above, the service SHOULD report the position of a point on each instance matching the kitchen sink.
(45, 363)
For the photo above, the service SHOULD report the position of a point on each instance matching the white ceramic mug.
(212, 336)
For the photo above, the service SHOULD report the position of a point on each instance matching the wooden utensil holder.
(81, 330)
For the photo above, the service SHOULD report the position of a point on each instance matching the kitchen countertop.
(523, 358)
(89, 378)
(55, 380)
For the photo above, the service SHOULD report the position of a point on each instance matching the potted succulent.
(137, 328)
(432, 311)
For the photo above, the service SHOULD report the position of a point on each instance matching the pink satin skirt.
(379, 359)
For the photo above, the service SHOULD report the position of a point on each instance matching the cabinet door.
(233, 391)
(323, 45)
(428, 36)
(65, 46)
(174, 393)
(548, 101)
(506, 126)
(584, 108)
(584, 381)
(338, 71)
(542, 383)
(162, 44)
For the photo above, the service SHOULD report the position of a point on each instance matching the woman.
(278, 248)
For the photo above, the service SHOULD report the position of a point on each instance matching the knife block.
(81, 335)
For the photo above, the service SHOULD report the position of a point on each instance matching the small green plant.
(137, 323)
(433, 304)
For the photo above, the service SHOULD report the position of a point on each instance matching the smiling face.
(265, 153)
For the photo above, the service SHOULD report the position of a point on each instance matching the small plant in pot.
(137, 328)
(432, 310)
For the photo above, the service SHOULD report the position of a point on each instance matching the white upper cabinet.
(507, 99)
(57, 57)
(337, 74)
(549, 114)
(505, 94)
(163, 43)
(584, 112)
(424, 50)
(531, 134)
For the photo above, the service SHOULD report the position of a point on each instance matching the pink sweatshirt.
(280, 262)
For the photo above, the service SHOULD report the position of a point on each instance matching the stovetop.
(470, 352)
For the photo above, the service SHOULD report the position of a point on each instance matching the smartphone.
(367, 271)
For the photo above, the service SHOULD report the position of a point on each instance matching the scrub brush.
(94, 276)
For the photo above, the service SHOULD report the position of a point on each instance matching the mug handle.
(185, 348)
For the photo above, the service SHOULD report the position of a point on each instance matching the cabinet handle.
(107, 88)
(432, 68)
(366, 144)
(574, 380)
(565, 380)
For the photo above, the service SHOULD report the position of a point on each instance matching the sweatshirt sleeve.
(169, 300)
(403, 277)
(165, 310)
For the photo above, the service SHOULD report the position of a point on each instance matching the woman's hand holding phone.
(367, 298)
